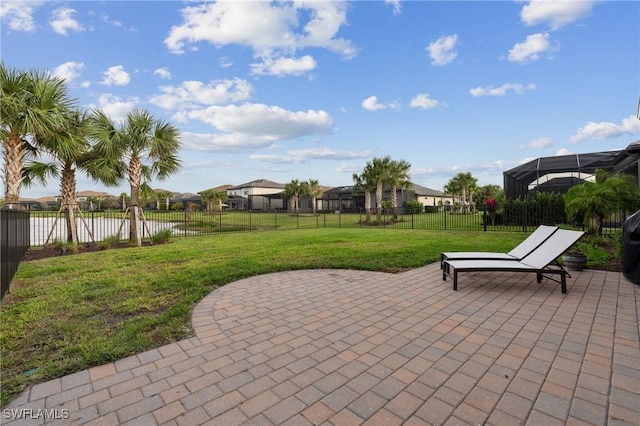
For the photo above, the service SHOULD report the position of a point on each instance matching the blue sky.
(298, 90)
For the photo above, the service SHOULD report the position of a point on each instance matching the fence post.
(484, 220)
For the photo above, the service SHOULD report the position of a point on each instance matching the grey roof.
(260, 183)
(427, 192)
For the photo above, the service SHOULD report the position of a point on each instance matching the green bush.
(162, 236)
(413, 207)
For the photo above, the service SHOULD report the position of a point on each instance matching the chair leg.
(563, 283)
(539, 277)
(455, 280)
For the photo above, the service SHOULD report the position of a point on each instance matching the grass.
(68, 313)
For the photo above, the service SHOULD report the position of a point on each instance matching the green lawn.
(68, 313)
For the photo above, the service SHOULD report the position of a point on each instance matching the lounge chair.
(541, 261)
(532, 242)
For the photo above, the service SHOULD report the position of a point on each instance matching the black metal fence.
(14, 242)
(99, 226)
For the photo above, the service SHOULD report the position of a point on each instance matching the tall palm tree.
(293, 190)
(365, 183)
(462, 184)
(313, 190)
(124, 199)
(141, 149)
(398, 177)
(69, 151)
(166, 196)
(601, 197)
(31, 103)
(219, 197)
(208, 197)
(378, 171)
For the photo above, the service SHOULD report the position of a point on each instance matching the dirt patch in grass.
(37, 253)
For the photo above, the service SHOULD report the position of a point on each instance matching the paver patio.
(342, 347)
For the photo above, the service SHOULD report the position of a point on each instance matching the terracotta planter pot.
(574, 261)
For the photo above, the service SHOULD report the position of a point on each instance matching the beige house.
(430, 197)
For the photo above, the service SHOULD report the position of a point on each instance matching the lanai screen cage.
(559, 173)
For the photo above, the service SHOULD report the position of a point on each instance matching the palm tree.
(366, 184)
(398, 177)
(124, 199)
(31, 103)
(293, 190)
(141, 149)
(603, 196)
(208, 197)
(166, 196)
(219, 197)
(462, 184)
(378, 170)
(312, 188)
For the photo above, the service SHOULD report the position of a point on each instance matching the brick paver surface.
(341, 347)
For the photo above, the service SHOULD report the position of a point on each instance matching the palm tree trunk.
(68, 191)
(367, 204)
(379, 202)
(394, 201)
(14, 160)
(135, 176)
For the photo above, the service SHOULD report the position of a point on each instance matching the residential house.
(344, 198)
(261, 194)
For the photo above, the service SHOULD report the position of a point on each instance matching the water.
(99, 227)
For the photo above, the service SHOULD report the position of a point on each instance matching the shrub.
(162, 236)
(109, 241)
(413, 207)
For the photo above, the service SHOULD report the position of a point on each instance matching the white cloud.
(539, 143)
(555, 13)
(225, 62)
(395, 4)
(115, 107)
(19, 14)
(302, 155)
(349, 168)
(423, 101)
(194, 94)
(273, 30)
(116, 75)
(68, 71)
(606, 130)
(516, 88)
(62, 21)
(564, 151)
(372, 104)
(443, 51)
(284, 66)
(223, 142)
(163, 73)
(251, 126)
(531, 49)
